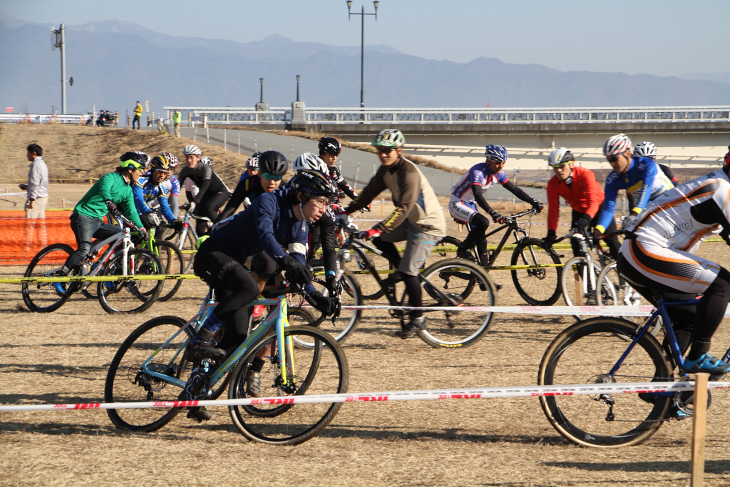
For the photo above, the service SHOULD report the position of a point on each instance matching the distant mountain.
(717, 77)
(116, 63)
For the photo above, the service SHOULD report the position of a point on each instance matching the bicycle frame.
(514, 229)
(277, 318)
(114, 242)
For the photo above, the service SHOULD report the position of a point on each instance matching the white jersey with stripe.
(668, 222)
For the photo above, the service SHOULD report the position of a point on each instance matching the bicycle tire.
(537, 286)
(345, 324)
(322, 369)
(584, 354)
(578, 292)
(173, 263)
(126, 382)
(470, 285)
(450, 253)
(42, 297)
(130, 296)
(188, 248)
(369, 287)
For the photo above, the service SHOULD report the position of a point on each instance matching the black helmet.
(313, 183)
(273, 163)
(330, 145)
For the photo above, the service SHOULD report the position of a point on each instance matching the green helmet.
(392, 138)
(134, 159)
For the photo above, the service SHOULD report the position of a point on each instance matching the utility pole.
(362, 14)
(59, 41)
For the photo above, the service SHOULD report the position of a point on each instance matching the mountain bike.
(186, 239)
(535, 267)
(170, 256)
(120, 258)
(595, 351)
(152, 365)
(446, 283)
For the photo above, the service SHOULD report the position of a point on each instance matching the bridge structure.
(686, 135)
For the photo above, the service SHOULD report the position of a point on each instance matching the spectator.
(37, 187)
(137, 115)
(176, 117)
(109, 119)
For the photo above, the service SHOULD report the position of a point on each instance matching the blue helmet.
(496, 153)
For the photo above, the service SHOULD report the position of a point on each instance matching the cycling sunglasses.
(271, 177)
(385, 150)
(558, 166)
(613, 158)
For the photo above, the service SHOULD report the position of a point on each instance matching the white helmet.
(205, 160)
(560, 156)
(309, 160)
(192, 149)
(645, 149)
(616, 145)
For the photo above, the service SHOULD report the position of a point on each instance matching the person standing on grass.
(137, 115)
(37, 186)
(176, 117)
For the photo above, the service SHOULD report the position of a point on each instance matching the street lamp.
(298, 77)
(362, 15)
(262, 89)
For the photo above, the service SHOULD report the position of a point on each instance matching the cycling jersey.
(642, 178)
(171, 186)
(149, 197)
(584, 195)
(479, 175)
(271, 219)
(205, 179)
(413, 198)
(336, 176)
(112, 187)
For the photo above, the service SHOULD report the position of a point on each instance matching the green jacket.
(112, 187)
(176, 117)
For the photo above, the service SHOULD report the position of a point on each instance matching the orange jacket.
(584, 195)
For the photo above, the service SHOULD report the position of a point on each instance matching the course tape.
(481, 393)
(153, 277)
(643, 310)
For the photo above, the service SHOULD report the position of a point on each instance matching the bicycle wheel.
(579, 282)
(537, 286)
(584, 354)
(126, 381)
(447, 247)
(462, 282)
(624, 295)
(130, 296)
(320, 370)
(348, 291)
(188, 247)
(368, 285)
(42, 297)
(173, 263)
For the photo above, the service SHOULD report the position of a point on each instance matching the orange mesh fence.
(21, 238)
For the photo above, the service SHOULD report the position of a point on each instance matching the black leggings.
(208, 207)
(479, 225)
(234, 288)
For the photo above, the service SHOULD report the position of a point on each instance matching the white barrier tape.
(481, 393)
(13, 194)
(644, 310)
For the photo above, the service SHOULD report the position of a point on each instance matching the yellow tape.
(154, 277)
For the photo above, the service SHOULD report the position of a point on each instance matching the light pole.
(59, 41)
(262, 89)
(362, 15)
(298, 78)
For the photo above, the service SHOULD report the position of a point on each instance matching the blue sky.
(661, 37)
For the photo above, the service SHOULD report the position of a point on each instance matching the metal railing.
(239, 115)
(42, 118)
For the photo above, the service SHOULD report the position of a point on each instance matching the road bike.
(152, 365)
(612, 350)
(535, 267)
(446, 283)
(112, 257)
(170, 256)
(186, 239)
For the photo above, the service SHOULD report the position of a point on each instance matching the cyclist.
(580, 189)
(329, 151)
(150, 196)
(212, 193)
(648, 149)
(468, 193)
(637, 175)
(417, 218)
(172, 185)
(278, 221)
(267, 179)
(252, 167)
(658, 255)
(112, 189)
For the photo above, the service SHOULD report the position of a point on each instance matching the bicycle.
(170, 256)
(537, 278)
(186, 239)
(152, 365)
(595, 351)
(121, 258)
(446, 283)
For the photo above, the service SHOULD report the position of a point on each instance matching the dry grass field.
(62, 357)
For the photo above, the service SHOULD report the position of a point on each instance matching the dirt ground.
(63, 357)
